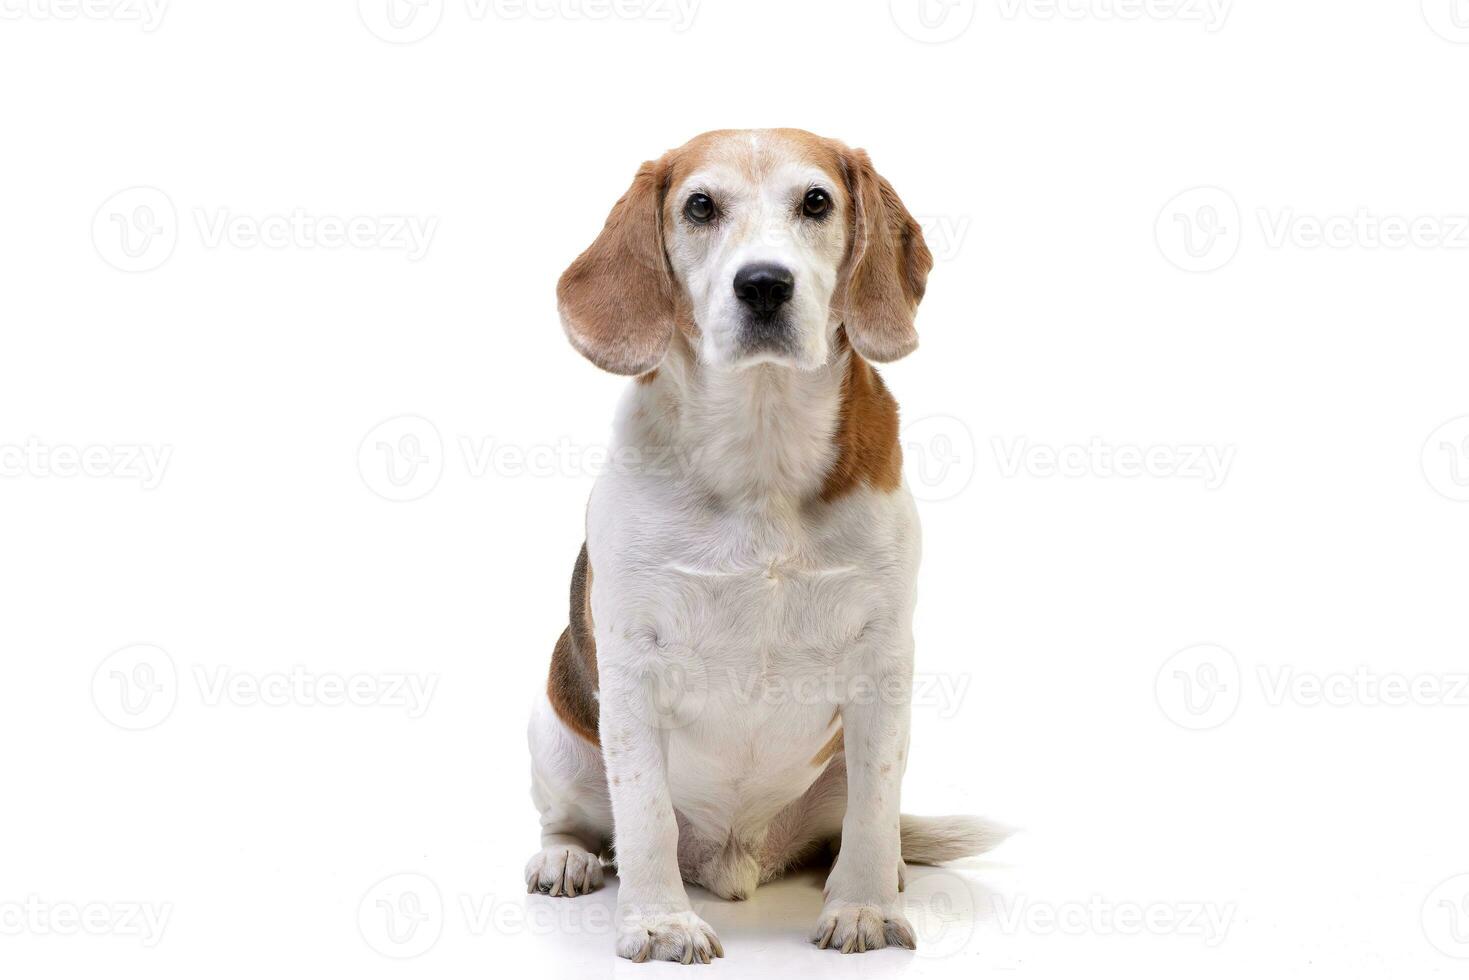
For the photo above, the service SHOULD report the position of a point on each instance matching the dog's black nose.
(764, 286)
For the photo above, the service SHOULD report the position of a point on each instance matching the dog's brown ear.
(616, 299)
(887, 268)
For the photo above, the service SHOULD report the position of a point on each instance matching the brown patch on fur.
(887, 270)
(572, 684)
(649, 378)
(617, 299)
(866, 437)
(747, 150)
(831, 748)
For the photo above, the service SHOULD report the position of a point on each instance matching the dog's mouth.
(767, 337)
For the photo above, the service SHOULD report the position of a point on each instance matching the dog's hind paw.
(563, 871)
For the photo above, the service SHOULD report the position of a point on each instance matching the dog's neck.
(767, 438)
(753, 437)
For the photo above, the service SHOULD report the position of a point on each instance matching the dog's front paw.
(682, 937)
(856, 927)
(563, 870)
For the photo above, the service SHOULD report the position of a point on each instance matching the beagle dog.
(732, 693)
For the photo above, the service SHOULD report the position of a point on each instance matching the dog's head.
(759, 246)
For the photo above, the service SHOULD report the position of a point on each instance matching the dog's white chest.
(765, 649)
(766, 620)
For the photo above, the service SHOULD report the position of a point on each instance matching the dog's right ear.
(617, 300)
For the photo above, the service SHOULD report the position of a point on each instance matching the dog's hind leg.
(568, 779)
(810, 827)
(569, 787)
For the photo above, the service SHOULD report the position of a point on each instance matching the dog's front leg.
(862, 911)
(642, 699)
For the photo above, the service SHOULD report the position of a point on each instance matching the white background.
(1128, 667)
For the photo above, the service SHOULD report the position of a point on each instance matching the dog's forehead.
(756, 157)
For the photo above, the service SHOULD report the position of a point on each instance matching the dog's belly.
(733, 772)
(768, 654)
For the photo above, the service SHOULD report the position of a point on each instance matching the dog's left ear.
(887, 268)
(617, 300)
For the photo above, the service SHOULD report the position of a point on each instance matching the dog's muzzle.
(764, 288)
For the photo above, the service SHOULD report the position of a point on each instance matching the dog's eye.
(700, 208)
(817, 203)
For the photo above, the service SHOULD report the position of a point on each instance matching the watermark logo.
(667, 684)
(939, 457)
(1199, 687)
(1446, 917)
(1446, 459)
(1199, 229)
(1448, 18)
(941, 908)
(932, 21)
(402, 916)
(1202, 229)
(400, 21)
(136, 229)
(402, 458)
(147, 14)
(405, 915)
(136, 687)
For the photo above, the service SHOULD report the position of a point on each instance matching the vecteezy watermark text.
(404, 915)
(407, 233)
(1361, 687)
(1211, 14)
(147, 14)
(1201, 687)
(147, 464)
(138, 228)
(407, 21)
(138, 686)
(1098, 459)
(1203, 228)
(1098, 916)
(35, 916)
(299, 687)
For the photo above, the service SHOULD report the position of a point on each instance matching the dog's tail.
(934, 840)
